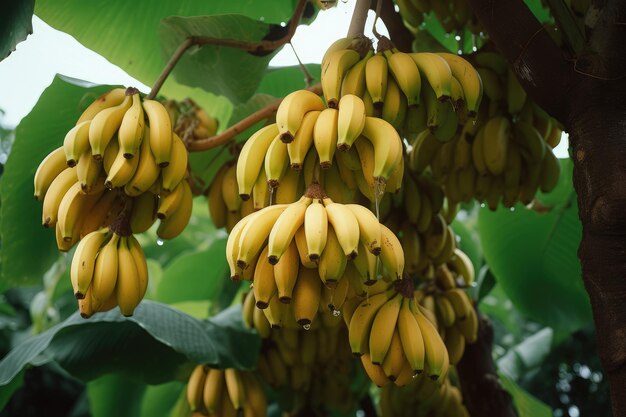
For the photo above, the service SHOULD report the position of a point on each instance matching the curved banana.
(497, 133)
(169, 202)
(469, 79)
(411, 337)
(131, 130)
(286, 273)
(213, 390)
(105, 272)
(292, 109)
(332, 263)
(147, 171)
(82, 267)
(104, 125)
(306, 296)
(392, 254)
(88, 170)
(369, 228)
(128, 287)
(387, 146)
(76, 142)
(121, 171)
(406, 74)
(276, 163)
(174, 173)
(436, 359)
(52, 165)
(251, 157)
(354, 79)
(161, 136)
(285, 227)
(345, 225)
(336, 64)
(376, 73)
(195, 387)
(325, 136)
(174, 225)
(437, 72)
(350, 122)
(315, 229)
(255, 232)
(264, 284)
(362, 319)
(383, 328)
(302, 141)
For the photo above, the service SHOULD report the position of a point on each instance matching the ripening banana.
(387, 146)
(286, 273)
(394, 105)
(303, 249)
(529, 139)
(235, 388)
(302, 141)
(351, 121)
(121, 172)
(478, 154)
(291, 188)
(88, 170)
(437, 72)
(336, 64)
(251, 157)
(128, 287)
(411, 337)
(497, 133)
(82, 267)
(54, 195)
(110, 153)
(362, 319)
(395, 361)
(374, 372)
(261, 191)
(550, 172)
(147, 171)
(376, 73)
(366, 264)
(492, 86)
(315, 229)
(72, 210)
(174, 224)
(306, 296)
(104, 125)
(285, 227)
(383, 328)
(332, 262)
(369, 228)
(169, 202)
(345, 225)
(460, 302)
(143, 214)
(292, 109)
(276, 163)
(406, 74)
(469, 79)
(161, 136)
(52, 165)
(213, 389)
(255, 232)
(354, 79)
(325, 136)
(392, 254)
(195, 387)
(104, 101)
(76, 142)
(105, 272)
(174, 173)
(131, 129)
(103, 212)
(436, 359)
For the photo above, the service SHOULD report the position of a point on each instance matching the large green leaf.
(41, 131)
(127, 34)
(15, 24)
(114, 395)
(151, 346)
(526, 404)
(280, 81)
(532, 253)
(195, 276)
(159, 399)
(230, 72)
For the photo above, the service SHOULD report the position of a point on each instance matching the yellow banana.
(325, 136)
(229, 190)
(105, 272)
(140, 263)
(406, 74)
(73, 208)
(497, 133)
(436, 359)
(255, 232)
(213, 389)
(147, 171)
(336, 64)
(251, 157)
(345, 225)
(425, 146)
(292, 109)
(437, 72)
(52, 165)
(121, 172)
(395, 361)
(161, 136)
(411, 337)
(369, 228)
(315, 229)
(88, 170)
(376, 74)
(290, 190)
(383, 328)
(351, 121)
(306, 296)
(174, 224)
(104, 125)
(303, 249)
(81, 270)
(286, 273)
(469, 79)
(387, 146)
(174, 173)
(106, 100)
(394, 105)
(285, 227)
(232, 247)
(392, 254)
(54, 195)
(131, 130)
(302, 141)
(374, 372)
(276, 163)
(127, 288)
(261, 191)
(234, 386)
(195, 387)
(169, 202)
(76, 142)
(354, 79)
(362, 319)
(332, 262)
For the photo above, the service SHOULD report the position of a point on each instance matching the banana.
(174, 173)
(448, 123)
(147, 171)
(345, 225)
(121, 172)
(376, 73)
(54, 195)
(406, 74)
(315, 229)
(306, 297)
(392, 254)
(232, 247)
(426, 215)
(286, 273)
(290, 190)
(213, 390)
(550, 172)
(72, 210)
(81, 270)
(336, 188)
(251, 157)
(76, 142)
(261, 191)
(412, 246)
(302, 141)
(492, 86)
(437, 72)
(445, 311)
(515, 93)
(131, 130)
(292, 109)
(110, 153)
(460, 302)
(274, 313)
(88, 171)
(412, 200)
(387, 146)
(161, 136)
(415, 120)
(104, 125)
(455, 344)
(497, 133)
(303, 249)
(469, 327)
(332, 262)
(395, 361)
(374, 372)
(174, 224)
(52, 165)
(362, 319)
(261, 325)
(105, 101)
(276, 163)
(350, 121)
(369, 228)
(235, 388)
(411, 337)
(336, 64)
(255, 232)
(469, 79)
(436, 359)
(435, 236)
(140, 263)
(127, 288)
(285, 227)
(169, 202)
(195, 387)
(425, 146)
(383, 328)
(478, 153)
(325, 136)
(492, 60)
(367, 265)
(394, 105)
(513, 168)
(105, 272)
(354, 80)
(102, 213)
(256, 401)
(229, 189)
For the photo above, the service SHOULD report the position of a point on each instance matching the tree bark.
(587, 94)
(483, 395)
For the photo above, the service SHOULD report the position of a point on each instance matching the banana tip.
(286, 137)
(244, 197)
(262, 305)
(71, 163)
(333, 103)
(79, 295)
(376, 251)
(128, 155)
(273, 259)
(326, 164)
(164, 164)
(285, 299)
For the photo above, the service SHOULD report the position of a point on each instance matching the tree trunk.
(587, 94)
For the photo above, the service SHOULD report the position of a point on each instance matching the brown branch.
(253, 47)
(359, 16)
(539, 64)
(401, 36)
(483, 395)
(229, 134)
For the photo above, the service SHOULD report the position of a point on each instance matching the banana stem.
(260, 47)
(359, 16)
(227, 135)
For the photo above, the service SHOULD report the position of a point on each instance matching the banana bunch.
(190, 121)
(505, 156)
(225, 392)
(108, 270)
(453, 15)
(422, 398)
(394, 337)
(411, 91)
